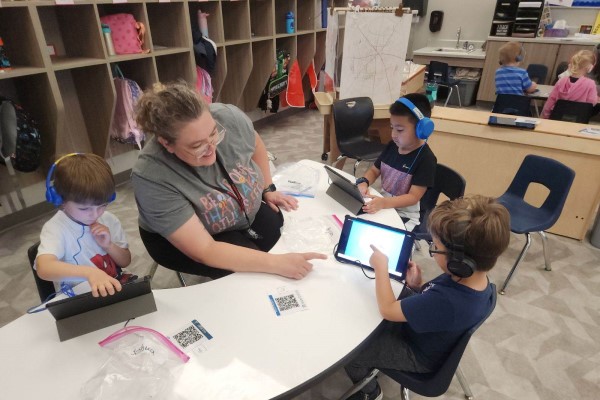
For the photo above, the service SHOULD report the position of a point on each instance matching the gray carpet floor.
(541, 343)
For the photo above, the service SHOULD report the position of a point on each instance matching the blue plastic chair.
(537, 73)
(439, 72)
(525, 218)
(512, 104)
(45, 288)
(436, 383)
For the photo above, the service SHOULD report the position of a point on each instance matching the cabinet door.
(564, 55)
(540, 53)
(487, 86)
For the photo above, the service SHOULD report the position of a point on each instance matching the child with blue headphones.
(407, 165)
(510, 77)
(82, 241)
(469, 234)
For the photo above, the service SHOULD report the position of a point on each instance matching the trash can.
(595, 236)
(468, 93)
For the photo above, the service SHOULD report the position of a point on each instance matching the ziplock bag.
(140, 366)
(296, 179)
(317, 233)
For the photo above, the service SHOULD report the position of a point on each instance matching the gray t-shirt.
(168, 191)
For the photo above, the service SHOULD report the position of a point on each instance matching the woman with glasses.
(207, 204)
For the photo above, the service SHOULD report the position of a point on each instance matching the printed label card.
(192, 338)
(286, 301)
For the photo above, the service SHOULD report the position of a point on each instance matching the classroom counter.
(488, 158)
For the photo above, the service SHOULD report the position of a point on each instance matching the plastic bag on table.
(304, 234)
(296, 179)
(140, 366)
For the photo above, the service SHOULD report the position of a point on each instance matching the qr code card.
(192, 338)
(287, 302)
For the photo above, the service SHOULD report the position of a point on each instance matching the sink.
(451, 50)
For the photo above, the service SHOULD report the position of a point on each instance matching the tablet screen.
(357, 237)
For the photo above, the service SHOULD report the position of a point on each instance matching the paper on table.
(592, 131)
(534, 121)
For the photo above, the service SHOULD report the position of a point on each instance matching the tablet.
(357, 237)
(509, 122)
(343, 182)
(345, 192)
(84, 302)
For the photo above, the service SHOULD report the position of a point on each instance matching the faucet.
(458, 37)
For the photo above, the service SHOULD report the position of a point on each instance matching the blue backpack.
(20, 141)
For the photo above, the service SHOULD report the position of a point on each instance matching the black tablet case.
(344, 192)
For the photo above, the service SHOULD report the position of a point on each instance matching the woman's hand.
(277, 199)
(375, 204)
(413, 276)
(101, 283)
(296, 265)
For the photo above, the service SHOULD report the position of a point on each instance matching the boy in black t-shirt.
(407, 164)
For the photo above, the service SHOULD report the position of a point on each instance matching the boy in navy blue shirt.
(469, 234)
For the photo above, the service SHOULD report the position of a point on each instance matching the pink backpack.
(123, 128)
(204, 84)
(127, 33)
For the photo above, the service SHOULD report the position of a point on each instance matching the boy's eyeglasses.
(214, 139)
(433, 250)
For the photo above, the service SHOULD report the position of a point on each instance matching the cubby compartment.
(88, 99)
(305, 18)
(141, 71)
(239, 62)
(173, 67)
(287, 44)
(261, 19)
(282, 7)
(320, 50)
(219, 75)
(214, 19)
(306, 50)
(138, 12)
(263, 56)
(20, 44)
(168, 27)
(236, 20)
(74, 33)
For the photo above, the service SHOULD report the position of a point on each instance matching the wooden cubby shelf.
(72, 96)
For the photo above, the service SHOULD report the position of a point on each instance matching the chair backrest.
(562, 67)
(537, 73)
(447, 181)
(352, 118)
(45, 288)
(555, 176)
(512, 104)
(572, 111)
(436, 383)
(437, 68)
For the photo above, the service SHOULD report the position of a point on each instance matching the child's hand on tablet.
(378, 259)
(413, 276)
(375, 204)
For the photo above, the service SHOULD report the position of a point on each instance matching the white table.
(254, 353)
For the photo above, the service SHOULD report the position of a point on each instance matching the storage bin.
(468, 93)
(551, 32)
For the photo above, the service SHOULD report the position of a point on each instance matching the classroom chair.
(512, 104)
(448, 182)
(438, 72)
(562, 67)
(352, 118)
(572, 111)
(436, 383)
(45, 288)
(537, 73)
(154, 267)
(526, 218)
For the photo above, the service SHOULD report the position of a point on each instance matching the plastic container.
(468, 93)
(108, 38)
(551, 32)
(289, 22)
(431, 89)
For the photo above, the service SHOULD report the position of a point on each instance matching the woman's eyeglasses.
(214, 139)
(433, 250)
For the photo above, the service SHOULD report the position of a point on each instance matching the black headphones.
(459, 263)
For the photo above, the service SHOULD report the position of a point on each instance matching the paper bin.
(468, 92)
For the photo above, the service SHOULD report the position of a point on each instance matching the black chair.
(436, 383)
(438, 72)
(352, 118)
(572, 111)
(562, 67)
(45, 288)
(512, 104)
(537, 73)
(447, 182)
(526, 218)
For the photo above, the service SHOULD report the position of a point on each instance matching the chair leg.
(450, 90)
(510, 274)
(355, 167)
(181, 280)
(153, 269)
(360, 385)
(404, 393)
(458, 96)
(545, 247)
(464, 384)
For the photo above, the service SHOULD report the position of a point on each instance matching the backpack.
(20, 140)
(204, 84)
(123, 128)
(205, 52)
(127, 34)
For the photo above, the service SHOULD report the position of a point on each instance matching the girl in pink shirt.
(576, 87)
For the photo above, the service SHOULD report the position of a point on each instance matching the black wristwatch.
(362, 179)
(270, 188)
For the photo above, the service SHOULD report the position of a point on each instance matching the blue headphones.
(425, 125)
(52, 196)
